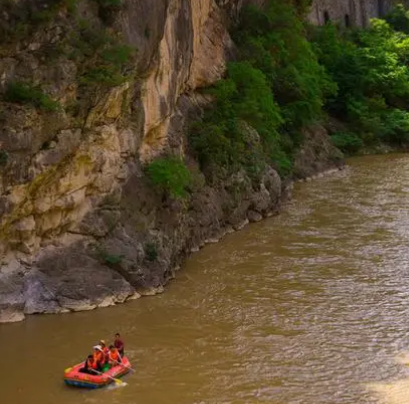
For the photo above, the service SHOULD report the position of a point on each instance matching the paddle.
(117, 381)
(126, 367)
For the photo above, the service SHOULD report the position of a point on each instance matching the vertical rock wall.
(76, 209)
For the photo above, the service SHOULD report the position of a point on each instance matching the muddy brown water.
(308, 307)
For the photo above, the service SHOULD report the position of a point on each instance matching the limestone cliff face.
(77, 214)
(55, 173)
(191, 54)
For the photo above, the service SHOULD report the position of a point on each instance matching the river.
(311, 307)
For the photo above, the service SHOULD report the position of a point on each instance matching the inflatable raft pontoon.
(73, 377)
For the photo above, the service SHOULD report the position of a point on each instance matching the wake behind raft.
(73, 376)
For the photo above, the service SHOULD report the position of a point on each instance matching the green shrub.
(4, 158)
(151, 252)
(108, 9)
(105, 75)
(347, 142)
(23, 93)
(221, 140)
(118, 55)
(23, 18)
(107, 258)
(103, 58)
(103, 61)
(396, 127)
(111, 259)
(72, 5)
(371, 70)
(277, 87)
(281, 82)
(274, 41)
(170, 175)
(398, 18)
(282, 162)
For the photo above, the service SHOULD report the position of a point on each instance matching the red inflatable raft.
(73, 377)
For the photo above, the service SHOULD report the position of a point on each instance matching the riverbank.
(81, 273)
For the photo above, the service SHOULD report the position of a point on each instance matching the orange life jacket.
(114, 356)
(105, 354)
(99, 357)
(92, 365)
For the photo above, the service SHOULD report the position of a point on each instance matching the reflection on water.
(310, 307)
(396, 391)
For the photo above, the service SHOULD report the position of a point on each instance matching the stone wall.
(348, 12)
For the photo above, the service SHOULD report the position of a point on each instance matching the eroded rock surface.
(80, 227)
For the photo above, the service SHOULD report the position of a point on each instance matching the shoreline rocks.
(60, 281)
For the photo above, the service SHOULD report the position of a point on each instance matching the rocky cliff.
(90, 92)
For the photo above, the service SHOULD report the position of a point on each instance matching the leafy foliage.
(24, 93)
(398, 18)
(221, 140)
(170, 175)
(347, 142)
(371, 69)
(107, 258)
(275, 42)
(151, 252)
(4, 158)
(277, 87)
(108, 9)
(104, 59)
(24, 17)
(282, 82)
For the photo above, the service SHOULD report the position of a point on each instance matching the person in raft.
(90, 366)
(119, 344)
(114, 358)
(105, 351)
(99, 357)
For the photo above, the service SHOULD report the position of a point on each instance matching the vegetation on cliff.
(170, 175)
(288, 75)
(71, 34)
(277, 86)
(285, 77)
(371, 70)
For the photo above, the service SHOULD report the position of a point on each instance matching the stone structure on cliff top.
(348, 12)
